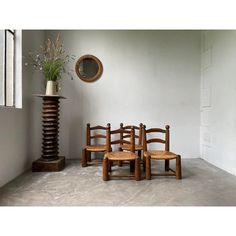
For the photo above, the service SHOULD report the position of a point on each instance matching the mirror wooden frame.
(99, 72)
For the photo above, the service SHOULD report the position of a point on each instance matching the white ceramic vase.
(51, 88)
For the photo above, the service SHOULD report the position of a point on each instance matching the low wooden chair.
(160, 155)
(92, 134)
(130, 156)
(139, 137)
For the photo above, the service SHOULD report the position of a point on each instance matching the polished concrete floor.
(202, 185)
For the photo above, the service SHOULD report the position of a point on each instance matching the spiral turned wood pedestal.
(50, 159)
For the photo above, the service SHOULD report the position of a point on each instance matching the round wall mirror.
(88, 68)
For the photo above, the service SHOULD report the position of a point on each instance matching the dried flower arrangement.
(52, 60)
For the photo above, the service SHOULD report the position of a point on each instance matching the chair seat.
(127, 147)
(96, 148)
(120, 156)
(162, 155)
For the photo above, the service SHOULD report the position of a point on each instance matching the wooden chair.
(139, 137)
(130, 156)
(160, 155)
(138, 146)
(92, 134)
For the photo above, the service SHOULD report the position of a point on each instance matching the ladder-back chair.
(130, 156)
(165, 155)
(94, 134)
(138, 139)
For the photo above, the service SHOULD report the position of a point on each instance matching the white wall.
(149, 76)
(16, 125)
(218, 99)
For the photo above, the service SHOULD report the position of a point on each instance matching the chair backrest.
(117, 140)
(138, 135)
(165, 141)
(96, 132)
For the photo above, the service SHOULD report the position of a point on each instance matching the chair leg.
(110, 164)
(89, 156)
(148, 168)
(167, 165)
(137, 170)
(132, 166)
(84, 159)
(144, 164)
(105, 169)
(139, 153)
(120, 163)
(178, 168)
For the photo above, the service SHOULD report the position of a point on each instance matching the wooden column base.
(48, 166)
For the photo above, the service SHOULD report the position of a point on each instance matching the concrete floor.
(202, 185)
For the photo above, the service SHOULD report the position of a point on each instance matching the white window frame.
(11, 78)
